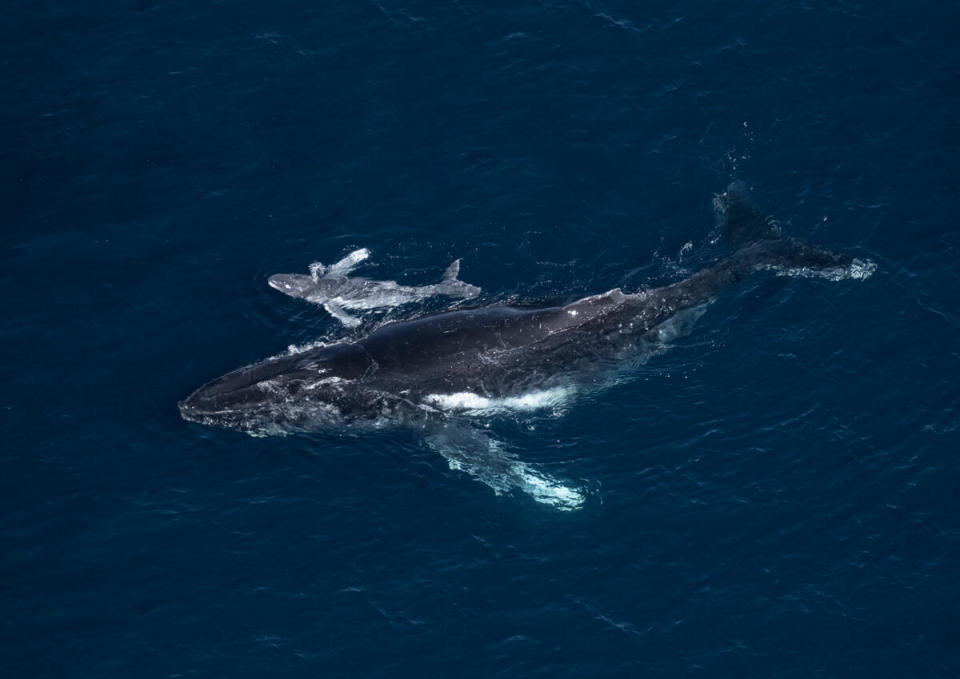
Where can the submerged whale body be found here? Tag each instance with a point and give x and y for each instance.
(440, 373)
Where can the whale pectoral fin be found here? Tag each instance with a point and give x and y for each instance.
(337, 312)
(348, 263)
(487, 460)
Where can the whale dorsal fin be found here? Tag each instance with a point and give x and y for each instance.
(452, 285)
(452, 271)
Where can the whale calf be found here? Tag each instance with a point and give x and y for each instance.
(332, 288)
(446, 374)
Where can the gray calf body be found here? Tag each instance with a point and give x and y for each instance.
(338, 293)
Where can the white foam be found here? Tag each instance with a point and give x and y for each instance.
(857, 270)
(467, 401)
(300, 348)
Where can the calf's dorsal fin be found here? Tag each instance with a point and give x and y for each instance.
(453, 271)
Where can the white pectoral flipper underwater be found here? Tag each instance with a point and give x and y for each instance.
(332, 288)
(471, 450)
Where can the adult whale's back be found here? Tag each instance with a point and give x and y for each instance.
(455, 347)
(499, 351)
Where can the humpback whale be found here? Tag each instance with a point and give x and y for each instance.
(332, 288)
(442, 374)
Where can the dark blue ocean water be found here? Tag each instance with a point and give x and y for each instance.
(776, 496)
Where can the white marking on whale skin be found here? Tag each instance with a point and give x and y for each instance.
(467, 401)
(300, 348)
(324, 381)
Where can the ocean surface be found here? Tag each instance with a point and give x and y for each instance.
(777, 494)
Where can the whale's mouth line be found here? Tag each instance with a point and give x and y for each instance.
(193, 414)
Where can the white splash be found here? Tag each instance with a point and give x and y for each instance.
(301, 348)
(467, 401)
(857, 270)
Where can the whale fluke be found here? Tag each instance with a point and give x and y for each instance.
(742, 221)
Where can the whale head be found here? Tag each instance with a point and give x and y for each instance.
(311, 391)
(299, 285)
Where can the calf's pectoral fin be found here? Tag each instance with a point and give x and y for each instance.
(337, 312)
(348, 263)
